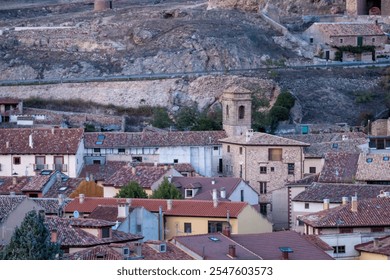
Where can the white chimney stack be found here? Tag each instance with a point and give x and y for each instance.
(213, 181)
(223, 193)
(215, 198)
(344, 200)
(30, 141)
(81, 198)
(354, 204)
(248, 135)
(169, 204)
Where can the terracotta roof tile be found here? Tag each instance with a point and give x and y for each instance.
(194, 208)
(205, 186)
(7, 184)
(373, 167)
(153, 139)
(350, 29)
(105, 212)
(380, 246)
(8, 204)
(37, 183)
(263, 139)
(9, 100)
(145, 175)
(44, 141)
(50, 205)
(71, 234)
(101, 172)
(266, 245)
(317, 192)
(214, 247)
(339, 168)
(65, 187)
(370, 212)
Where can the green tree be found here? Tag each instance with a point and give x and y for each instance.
(161, 118)
(132, 190)
(166, 190)
(187, 118)
(31, 241)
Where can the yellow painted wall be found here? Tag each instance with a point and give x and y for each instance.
(89, 189)
(372, 256)
(251, 221)
(175, 225)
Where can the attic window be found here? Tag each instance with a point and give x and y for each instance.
(385, 158)
(335, 145)
(369, 160)
(63, 188)
(214, 239)
(45, 172)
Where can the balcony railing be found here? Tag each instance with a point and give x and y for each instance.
(60, 167)
(41, 166)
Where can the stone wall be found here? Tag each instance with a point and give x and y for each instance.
(172, 93)
(246, 5)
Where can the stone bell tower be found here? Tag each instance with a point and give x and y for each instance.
(236, 111)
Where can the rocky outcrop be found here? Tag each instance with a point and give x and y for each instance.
(246, 5)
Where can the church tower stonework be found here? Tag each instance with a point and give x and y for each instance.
(236, 111)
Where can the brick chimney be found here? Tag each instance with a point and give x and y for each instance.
(354, 204)
(232, 251)
(54, 236)
(226, 231)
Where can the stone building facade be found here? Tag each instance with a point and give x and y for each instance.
(368, 7)
(265, 161)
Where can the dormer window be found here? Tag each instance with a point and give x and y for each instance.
(189, 193)
(105, 232)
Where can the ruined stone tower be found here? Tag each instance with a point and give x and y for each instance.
(368, 7)
(236, 111)
(102, 5)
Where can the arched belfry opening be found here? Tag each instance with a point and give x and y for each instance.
(241, 112)
(236, 110)
(368, 7)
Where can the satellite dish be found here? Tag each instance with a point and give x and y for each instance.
(76, 214)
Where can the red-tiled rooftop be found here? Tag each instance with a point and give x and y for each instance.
(263, 139)
(339, 167)
(380, 246)
(144, 175)
(266, 245)
(8, 204)
(7, 184)
(9, 100)
(71, 234)
(101, 172)
(350, 29)
(317, 192)
(153, 139)
(370, 212)
(193, 208)
(44, 141)
(214, 247)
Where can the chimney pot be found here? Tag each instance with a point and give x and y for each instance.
(169, 204)
(223, 193)
(354, 204)
(226, 231)
(344, 200)
(326, 204)
(81, 198)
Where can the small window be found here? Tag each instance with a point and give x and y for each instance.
(240, 150)
(263, 187)
(216, 148)
(346, 230)
(96, 150)
(311, 40)
(96, 161)
(307, 205)
(291, 168)
(272, 169)
(369, 160)
(312, 170)
(175, 160)
(335, 145)
(105, 232)
(17, 160)
(299, 222)
(377, 229)
(385, 158)
(341, 40)
(263, 208)
(228, 148)
(187, 228)
(242, 195)
(189, 193)
(121, 151)
(139, 228)
(339, 249)
(275, 154)
(241, 112)
(263, 170)
(126, 251)
(373, 40)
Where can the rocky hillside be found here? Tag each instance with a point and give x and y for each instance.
(67, 39)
